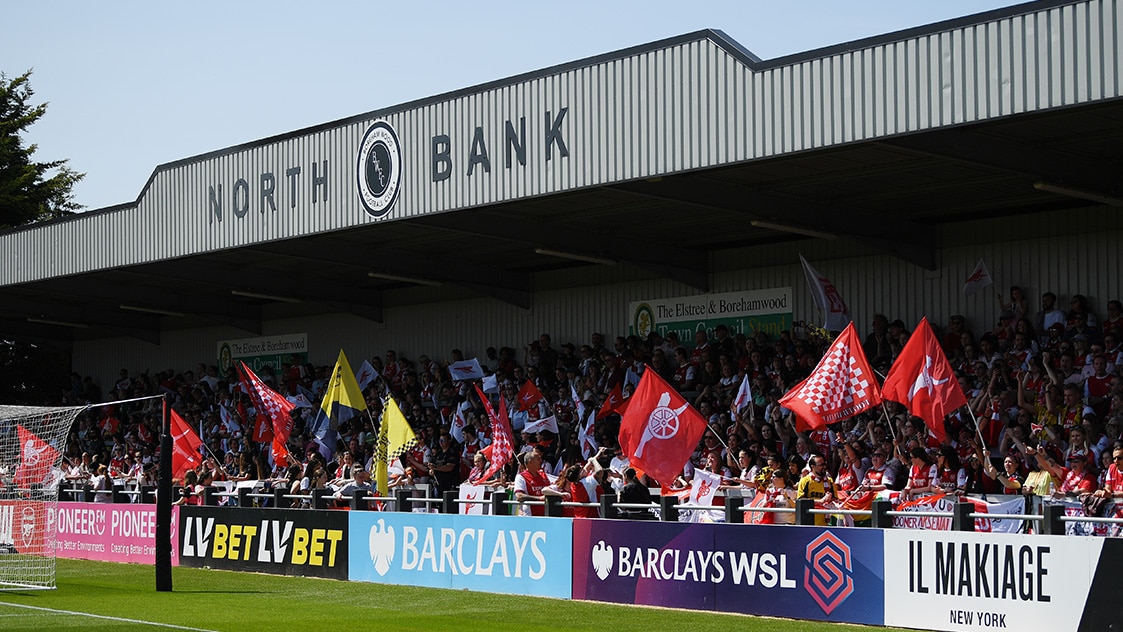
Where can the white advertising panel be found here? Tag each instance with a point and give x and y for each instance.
(947, 580)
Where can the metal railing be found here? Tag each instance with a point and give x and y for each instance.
(962, 517)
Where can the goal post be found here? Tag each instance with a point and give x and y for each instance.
(32, 442)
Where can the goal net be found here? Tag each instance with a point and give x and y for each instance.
(32, 440)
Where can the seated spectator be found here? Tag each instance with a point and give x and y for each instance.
(780, 494)
(1075, 479)
(360, 481)
(921, 477)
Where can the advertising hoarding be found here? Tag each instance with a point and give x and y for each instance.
(278, 541)
(797, 572)
(949, 580)
(109, 532)
(502, 554)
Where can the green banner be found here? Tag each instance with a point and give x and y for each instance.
(258, 352)
(742, 312)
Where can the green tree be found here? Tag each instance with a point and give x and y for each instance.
(29, 191)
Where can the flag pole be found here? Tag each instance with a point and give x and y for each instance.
(892, 432)
(978, 433)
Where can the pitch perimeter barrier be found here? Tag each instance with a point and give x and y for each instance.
(521, 556)
(106, 532)
(948, 580)
(789, 571)
(922, 579)
(278, 541)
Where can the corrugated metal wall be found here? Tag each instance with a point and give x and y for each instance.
(677, 108)
(1068, 252)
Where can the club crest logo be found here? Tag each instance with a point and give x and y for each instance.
(602, 559)
(827, 577)
(27, 526)
(644, 320)
(379, 169)
(662, 423)
(382, 546)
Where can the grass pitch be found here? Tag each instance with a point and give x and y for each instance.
(123, 597)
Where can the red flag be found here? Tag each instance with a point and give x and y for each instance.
(263, 429)
(185, 447)
(529, 395)
(37, 457)
(272, 404)
(923, 381)
(610, 405)
(502, 444)
(841, 386)
(660, 429)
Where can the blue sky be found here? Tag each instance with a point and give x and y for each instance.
(132, 85)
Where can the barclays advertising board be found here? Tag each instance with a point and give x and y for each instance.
(526, 556)
(796, 572)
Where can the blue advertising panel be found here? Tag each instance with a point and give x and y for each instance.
(526, 556)
(802, 572)
(785, 571)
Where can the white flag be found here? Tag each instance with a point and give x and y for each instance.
(466, 370)
(491, 384)
(586, 440)
(835, 313)
(978, 279)
(744, 396)
(546, 423)
(458, 423)
(365, 375)
(703, 487)
(473, 495)
(228, 420)
(578, 405)
(300, 401)
(631, 377)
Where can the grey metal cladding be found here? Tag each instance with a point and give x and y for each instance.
(688, 103)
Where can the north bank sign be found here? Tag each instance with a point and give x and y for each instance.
(378, 167)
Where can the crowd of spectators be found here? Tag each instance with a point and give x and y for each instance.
(1044, 386)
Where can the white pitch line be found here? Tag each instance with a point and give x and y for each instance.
(101, 616)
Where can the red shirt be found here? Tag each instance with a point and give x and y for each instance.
(921, 476)
(533, 484)
(1079, 483)
(1113, 480)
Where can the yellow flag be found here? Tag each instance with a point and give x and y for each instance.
(342, 401)
(394, 437)
(343, 390)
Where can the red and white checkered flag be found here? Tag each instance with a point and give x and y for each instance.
(841, 386)
(274, 405)
(502, 446)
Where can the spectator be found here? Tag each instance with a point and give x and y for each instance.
(1049, 314)
(634, 493)
(780, 494)
(950, 477)
(530, 482)
(1075, 479)
(922, 475)
(360, 481)
(1041, 481)
(445, 464)
(1113, 480)
(1010, 478)
(818, 486)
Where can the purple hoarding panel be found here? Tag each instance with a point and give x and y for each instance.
(786, 571)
